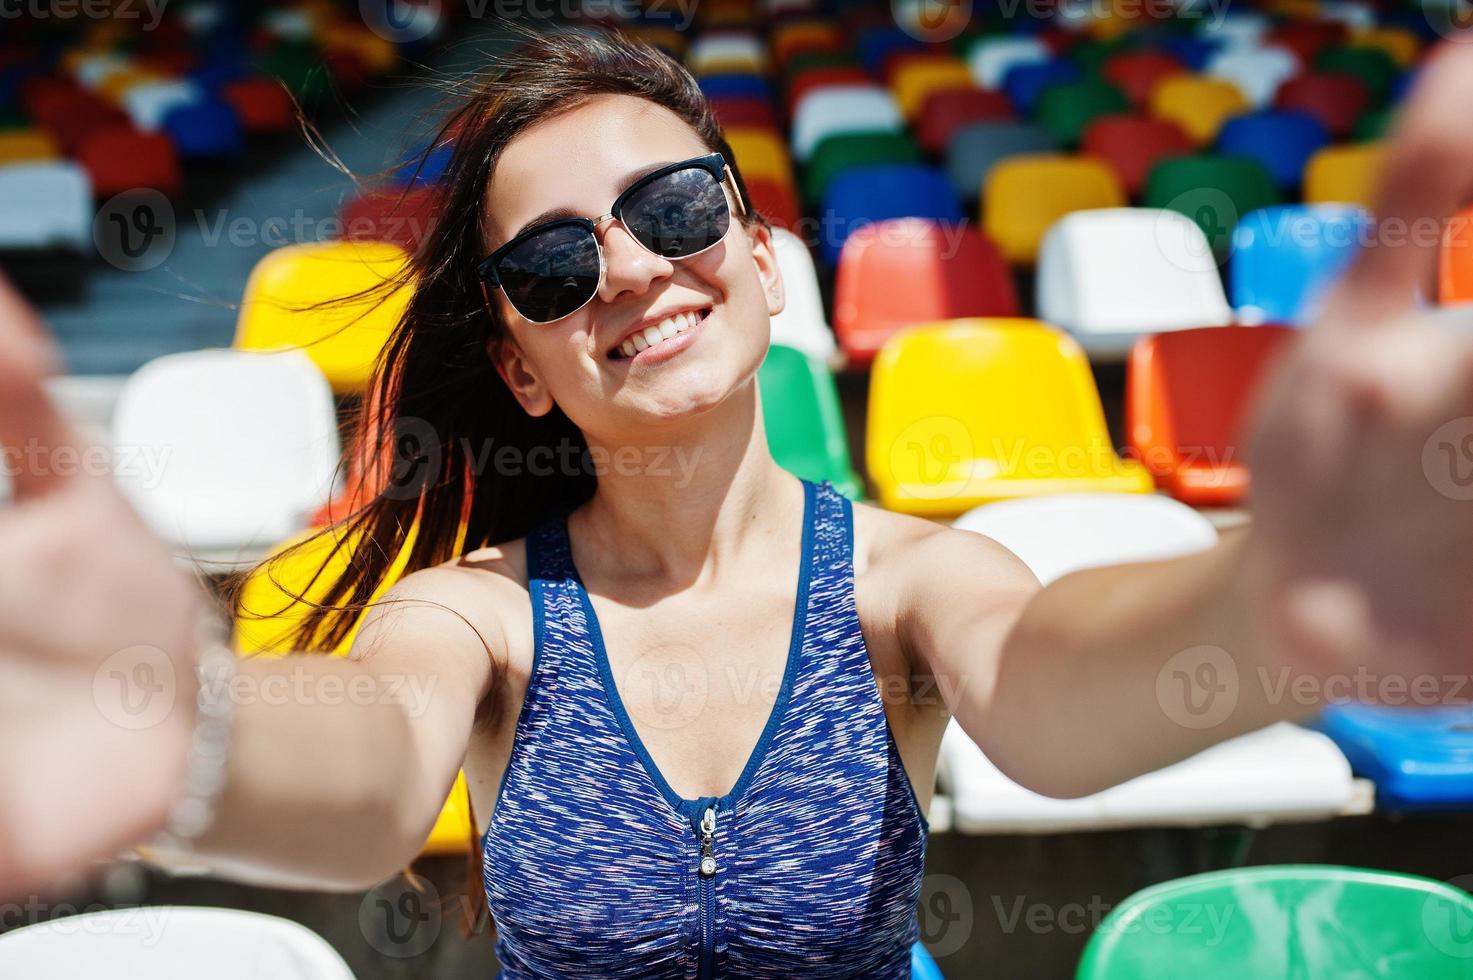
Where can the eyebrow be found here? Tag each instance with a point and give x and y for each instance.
(558, 214)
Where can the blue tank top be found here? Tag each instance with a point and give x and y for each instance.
(810, 867)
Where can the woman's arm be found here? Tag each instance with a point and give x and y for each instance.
(1354, 579)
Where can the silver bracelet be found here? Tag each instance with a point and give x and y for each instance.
(209, 748)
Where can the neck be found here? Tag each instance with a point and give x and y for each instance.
(680, 503)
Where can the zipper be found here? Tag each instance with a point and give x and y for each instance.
(706, 870)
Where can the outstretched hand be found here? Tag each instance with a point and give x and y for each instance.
(1362, 444)
(96, 639)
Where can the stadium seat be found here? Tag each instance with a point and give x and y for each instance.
(48, 205)
(1257, 72)
(1025, 195)
(1375, 69)
(208, 128)
(1239, 27)
(842, 110)
(1418, 757)
(1307, 38)
(802, 324)
(1067, 110)
(148, 103)
(777, 201)
(1282, 140)
(400, 216)
(744, 113)
(327, 299)
(26, 146)
(804, 420)
(855, 198)
(1137, 73)
(1401, 45)
(1109, 275)
(816, 79)
(424, 164)
(916, 81)
(1132, 146)
(970, 411)
(1187, 396)
(760, 153)
(1454, 262)
(261, 105)
(946, 112)
(1198, 105)
(1192, 51)
(185, 942)
(922, 966)
(793, 36)
(1026, 83)
(251, 441)
(894, 273)
(735, 86)
(1213, 191)
(1336, 100)
(1344, 175)
(1284, 258)
(119, 160)
(991, 58)
(1283, 921)
(975, 148)
(876, 44)
(852, 151)
(727, 53)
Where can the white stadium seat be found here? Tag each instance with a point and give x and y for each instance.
(47, 205)
(842, 109)
(802, 323)
(991, 57)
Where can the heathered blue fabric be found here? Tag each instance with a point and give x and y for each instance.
(591, 858)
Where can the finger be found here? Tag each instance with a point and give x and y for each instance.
(1424, 180)
(32, 430)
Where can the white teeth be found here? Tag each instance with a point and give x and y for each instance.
(664, 330)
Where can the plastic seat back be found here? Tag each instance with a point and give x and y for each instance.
(1285, 259)
(915, 81)
(1256, 71)
(859, 197)
(851, 151)
(1455, 260)
(397, 215)
(207, 128)
(1336, 100)
(170, 943)
(842, 109)
(329, 300)
(120, 160)
(1025, 195)
(48, 205)
(1344, 174)
(1187, 396)
(1026, 83)
(902, 271)
(802, 324)
(26, 146)
(1283, 140)
(991, 58)
(760, 153)
(1285, 921)
(147, 104)
(1067, 110)
(1214, 191)
(1198, 105)
(976, 148)
(804, 420)
(945, 112)
(969, 411)
(1132, 146)
(1137, 73)
(1107, 275)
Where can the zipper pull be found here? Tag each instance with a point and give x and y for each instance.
(708, 832)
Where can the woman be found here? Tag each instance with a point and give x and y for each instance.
(757, 811)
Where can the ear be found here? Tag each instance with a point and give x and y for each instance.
(764, 255)
(519, 375)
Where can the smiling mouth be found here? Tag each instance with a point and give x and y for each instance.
(671, 326)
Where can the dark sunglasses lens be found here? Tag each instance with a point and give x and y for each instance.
(679, 214)
(551, 273)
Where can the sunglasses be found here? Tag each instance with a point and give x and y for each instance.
(555, 269)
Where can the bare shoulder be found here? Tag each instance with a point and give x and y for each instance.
(899, 547)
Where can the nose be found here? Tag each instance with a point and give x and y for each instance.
(629, 267)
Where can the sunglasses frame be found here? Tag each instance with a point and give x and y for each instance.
(713, 163)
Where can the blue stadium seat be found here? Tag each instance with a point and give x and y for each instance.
(736, 87)
(857, 197)
(1285, 257)
(1282, 140)
(1419, 758)
(1194, 52)
(1024, 84)
(208, 128)
(423, 166)
(878, 43)
(922, 966)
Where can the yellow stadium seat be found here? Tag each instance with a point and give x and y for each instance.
(1198, 105)
(299, 296)
(270, 610)
(761, 153)
(1344, 174)
(918, 80)
(377, 53)
(26, 146)
(115, 85)
(963, 412)
(659, 36)
(1399, 42)
(1024, 195)
(792, 36)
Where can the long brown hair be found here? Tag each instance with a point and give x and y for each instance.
(435, 404)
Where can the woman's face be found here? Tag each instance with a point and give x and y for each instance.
(578, 163)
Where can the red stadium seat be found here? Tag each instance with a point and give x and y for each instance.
(775, 200)
(1132, 146)
(398, 215)
(946, 112)
(119, 160)
(1307, 38)
(263, 104)
(1187, 392)
(746, 111)
(1336, 100)
(1136, 73)
(911, 270)
(1455, 262)
(86, 118)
